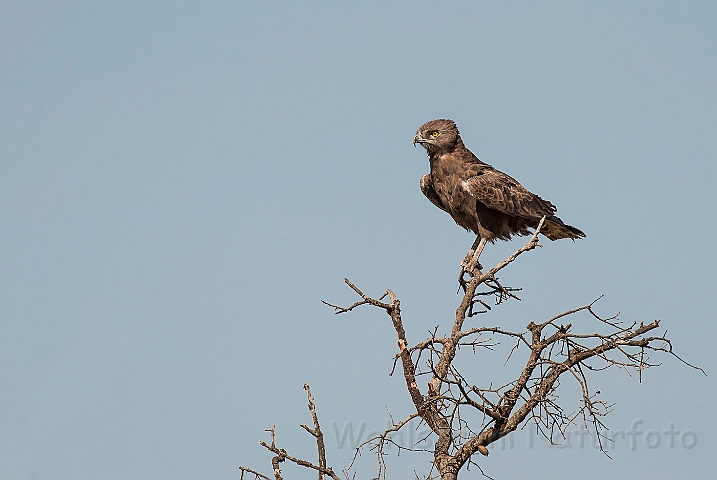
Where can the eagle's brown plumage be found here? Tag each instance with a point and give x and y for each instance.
(479, 197)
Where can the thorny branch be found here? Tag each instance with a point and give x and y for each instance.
(553, 350)
(451, 401)
(281, 455)
(378, 443)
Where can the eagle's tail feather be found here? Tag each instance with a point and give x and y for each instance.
(555, 229)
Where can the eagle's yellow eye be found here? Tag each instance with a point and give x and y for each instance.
(434, 134)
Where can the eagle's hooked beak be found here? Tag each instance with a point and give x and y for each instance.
(417, 139)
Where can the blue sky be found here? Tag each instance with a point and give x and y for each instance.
(181, 184)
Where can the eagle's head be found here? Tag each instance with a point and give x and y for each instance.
(438, 136)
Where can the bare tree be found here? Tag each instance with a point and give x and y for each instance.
(465, 418)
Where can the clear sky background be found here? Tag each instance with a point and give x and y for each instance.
(182, 183)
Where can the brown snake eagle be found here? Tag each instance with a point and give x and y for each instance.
(480, 198)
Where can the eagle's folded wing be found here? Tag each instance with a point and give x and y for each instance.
(498, 191)
(430, 192)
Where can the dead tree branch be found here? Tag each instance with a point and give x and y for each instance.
(554, 349)
(451, 402)
(322, 468)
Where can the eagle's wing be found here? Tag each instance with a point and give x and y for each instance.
(498, 191)
(430, 192)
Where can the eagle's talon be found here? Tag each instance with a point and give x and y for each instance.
(465, 263)
(473, 266)
(463, 284)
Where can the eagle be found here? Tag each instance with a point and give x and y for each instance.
(481, 198)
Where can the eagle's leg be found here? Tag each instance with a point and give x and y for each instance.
(469, 256)
(471, 263)
(475, 264)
